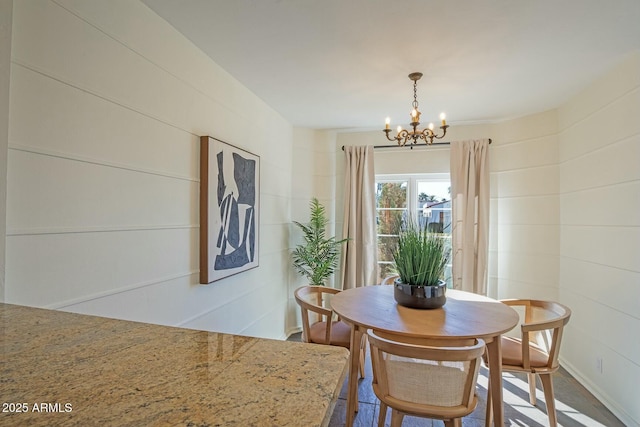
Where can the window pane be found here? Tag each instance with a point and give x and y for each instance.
(385, 270)
(389, 221)
(436, 216)
(391, 195)
(434, 205)
(386, 246)
(434, 212)
(433, 191)
(391, 203)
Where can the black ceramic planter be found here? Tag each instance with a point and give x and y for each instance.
(420, 296)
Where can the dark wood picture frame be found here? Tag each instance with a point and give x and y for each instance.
(229, 209)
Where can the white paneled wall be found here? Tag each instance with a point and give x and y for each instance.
(6, 13)
(314, 175)
(525, 208)
(107, 106)
(600, 236)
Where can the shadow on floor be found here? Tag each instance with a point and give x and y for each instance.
(575, 406)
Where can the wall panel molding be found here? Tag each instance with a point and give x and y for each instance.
(51, 75)
(105, 229)
(123, 289)
(13, 145)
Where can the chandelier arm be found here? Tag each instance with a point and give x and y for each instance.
(387, 131)
(403, 137)
(444, 132)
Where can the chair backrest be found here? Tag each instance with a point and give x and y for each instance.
(389, 280)
(314, 302)
(431, 380)
(542, 325)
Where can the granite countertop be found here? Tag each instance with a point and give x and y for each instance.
(59, 368)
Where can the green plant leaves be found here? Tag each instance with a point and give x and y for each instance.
(317, 259)
(421, 256)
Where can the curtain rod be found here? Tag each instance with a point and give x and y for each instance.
(412, 145)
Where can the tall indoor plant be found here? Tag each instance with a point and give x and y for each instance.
(317, 258)
(420, 260)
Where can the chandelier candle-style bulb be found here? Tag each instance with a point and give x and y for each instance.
(415, 116)
(414, 135)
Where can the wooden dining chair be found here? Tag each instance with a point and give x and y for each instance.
(424, 378)
(536, 351)
(320, 325)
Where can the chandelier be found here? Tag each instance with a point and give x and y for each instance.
(414, 135)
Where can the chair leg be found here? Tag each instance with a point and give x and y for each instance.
(396, 418)
(488, 419)
(382, 415)
(454, 422)
(357, 406)
(532, 388)
(363, 354)
(547, 388)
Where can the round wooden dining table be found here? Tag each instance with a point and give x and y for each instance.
(464, 316)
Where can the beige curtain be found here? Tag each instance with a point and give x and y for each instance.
(470, 213)
(360, 253)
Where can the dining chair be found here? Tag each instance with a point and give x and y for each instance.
(424, 378)
(536, 351)
(320, 325)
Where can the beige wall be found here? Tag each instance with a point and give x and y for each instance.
(600, 236)
(107, 105)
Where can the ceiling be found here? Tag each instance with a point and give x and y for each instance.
(343, 64)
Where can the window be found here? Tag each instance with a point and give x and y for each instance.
(426, 196)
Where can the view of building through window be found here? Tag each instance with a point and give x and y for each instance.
(426, 198)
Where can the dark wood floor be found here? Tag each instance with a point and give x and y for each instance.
(575, 406)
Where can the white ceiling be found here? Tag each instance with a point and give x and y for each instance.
(343, 64)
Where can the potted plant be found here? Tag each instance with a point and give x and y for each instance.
(317, 258)
(420, 260)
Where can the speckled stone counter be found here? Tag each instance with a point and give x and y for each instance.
(60, 368)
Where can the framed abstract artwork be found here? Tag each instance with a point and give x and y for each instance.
(229, 209)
